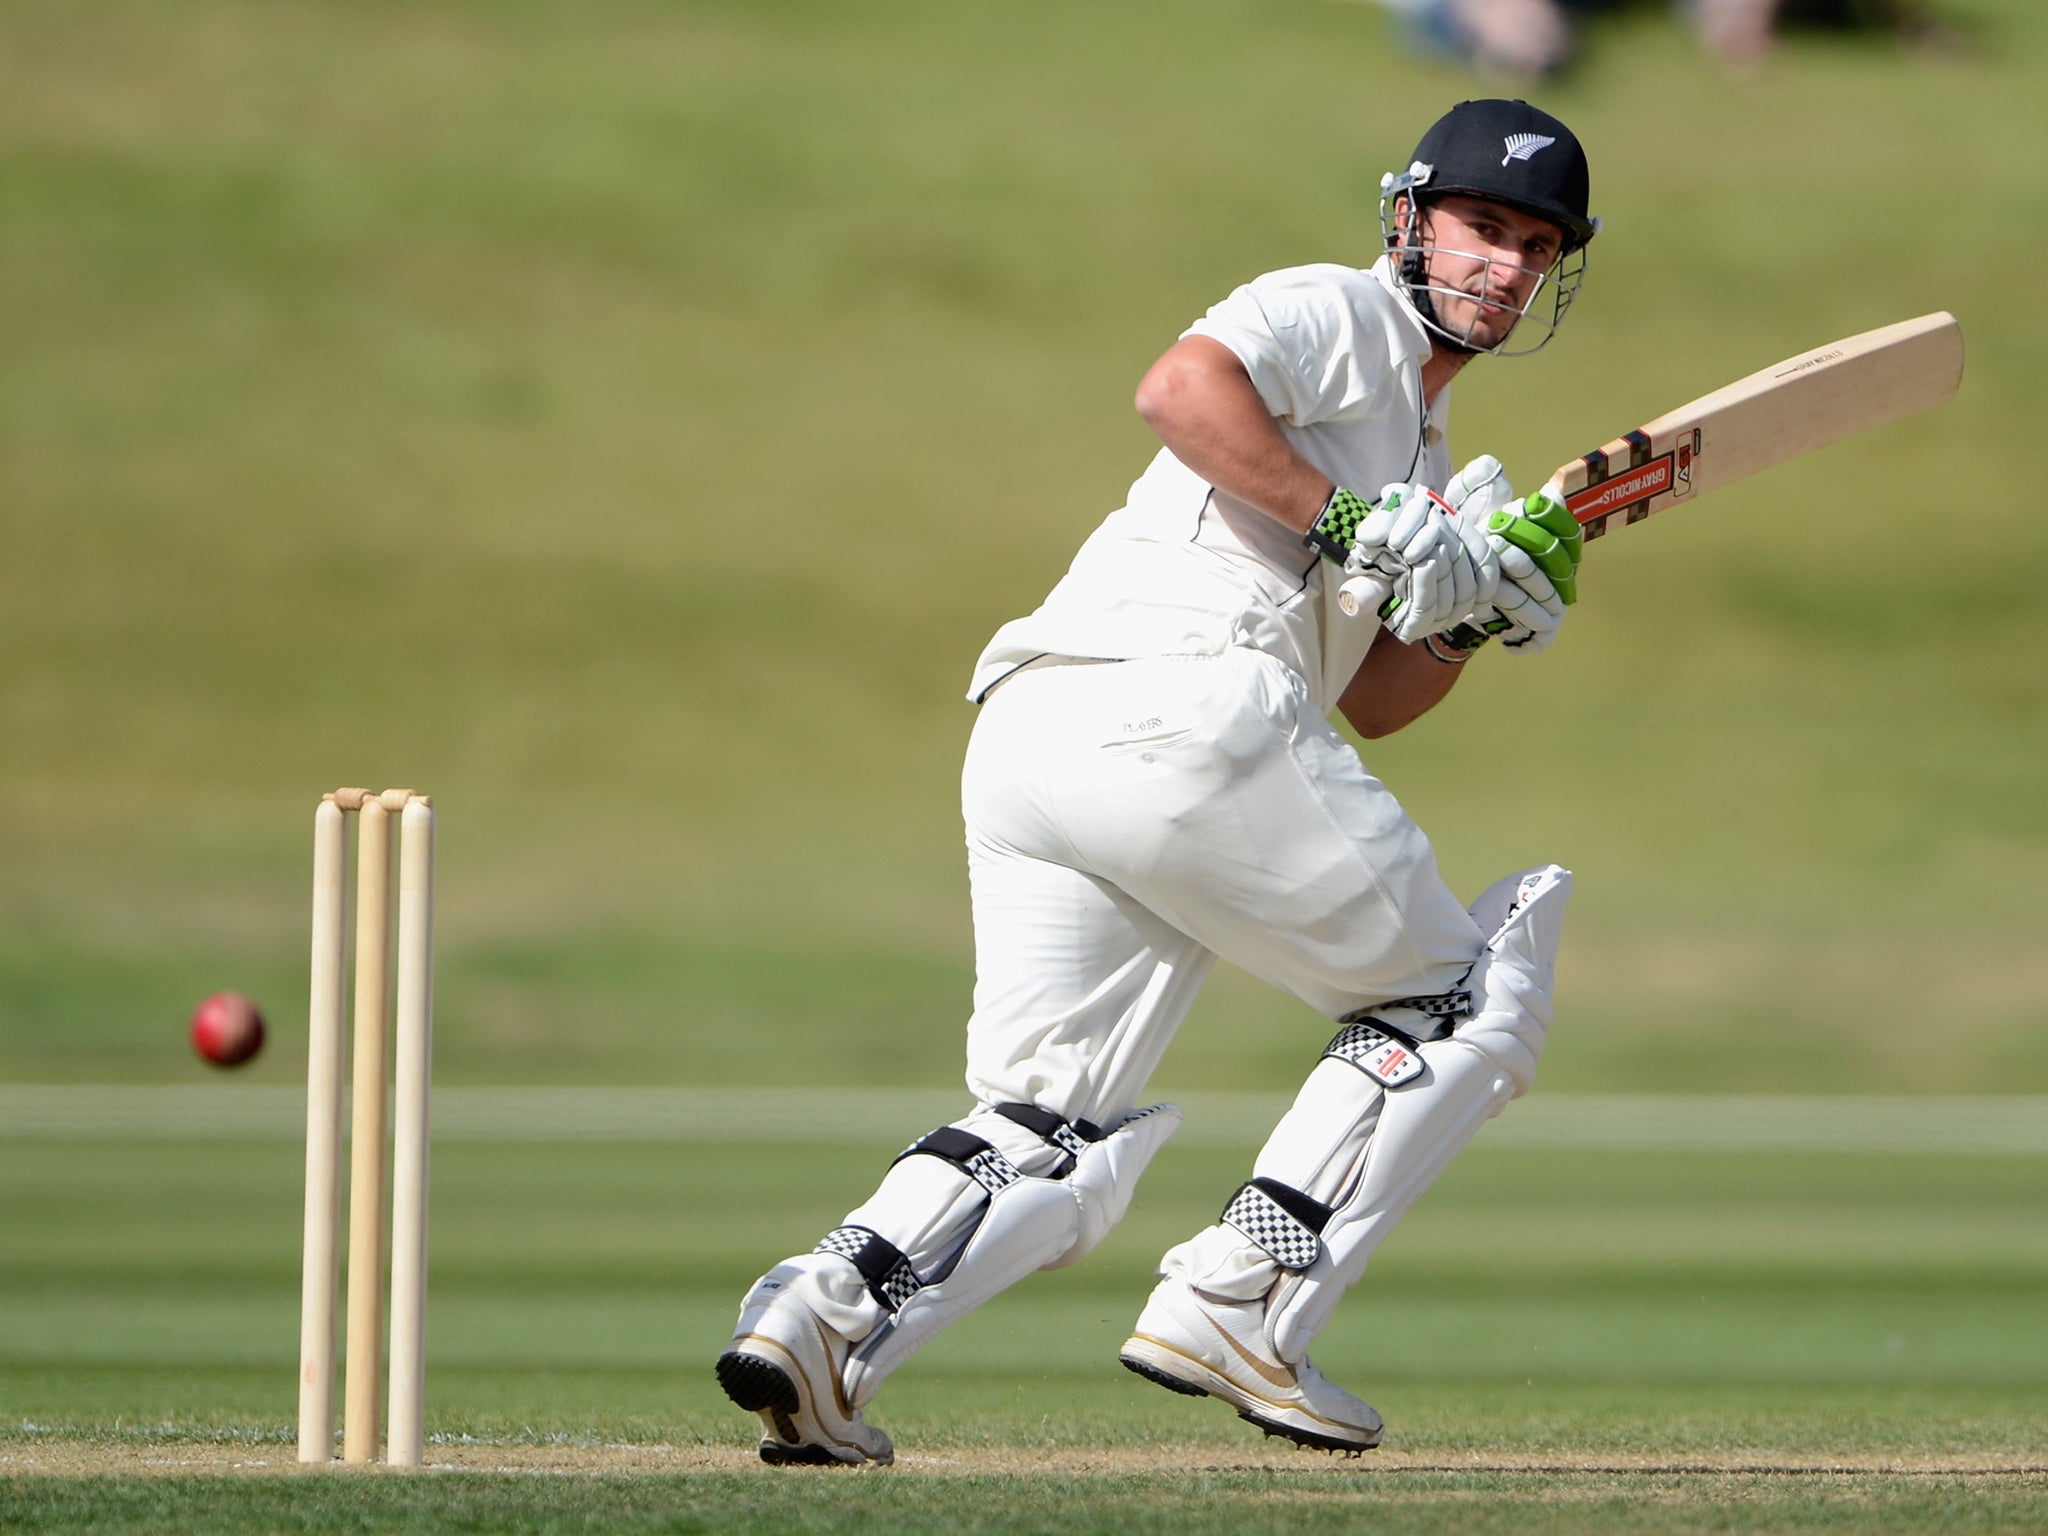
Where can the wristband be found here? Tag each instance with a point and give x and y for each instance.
(1336, 526)
(1430, 641)
(1465, 637)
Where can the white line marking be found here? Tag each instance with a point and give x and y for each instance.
(2012, 1125)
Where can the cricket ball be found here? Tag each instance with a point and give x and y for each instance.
(226, 1029)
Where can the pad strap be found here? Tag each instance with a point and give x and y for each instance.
(1280, 1219)
(1441, 1008)
(891, 1280)
(1070, 1136)
(969, 1153)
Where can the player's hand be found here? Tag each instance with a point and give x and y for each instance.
(1545, 528)
(1528, 608)
(1538, 544)
(1479, 490)
(1475, 493)
(1438, 570)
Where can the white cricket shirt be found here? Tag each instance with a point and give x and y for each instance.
(1184, 569)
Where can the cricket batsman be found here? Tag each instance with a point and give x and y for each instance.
(1154, 781)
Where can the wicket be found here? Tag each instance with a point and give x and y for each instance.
(414, 1052)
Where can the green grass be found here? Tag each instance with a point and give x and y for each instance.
(1645, 1343)
(628, 421)
(1428, 1503)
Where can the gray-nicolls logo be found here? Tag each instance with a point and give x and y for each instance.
(1521, 146)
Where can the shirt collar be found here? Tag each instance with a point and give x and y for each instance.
(1412, 329)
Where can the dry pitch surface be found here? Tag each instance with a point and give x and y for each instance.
(74, 1458)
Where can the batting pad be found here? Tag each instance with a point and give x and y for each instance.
(1378, 1119)
(1424, 1123)
(962, 1215)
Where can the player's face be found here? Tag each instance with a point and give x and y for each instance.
(1485, 261)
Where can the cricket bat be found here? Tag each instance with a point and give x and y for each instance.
(1805, 402)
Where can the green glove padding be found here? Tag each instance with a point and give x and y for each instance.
(1552, 537)
(1548, 533)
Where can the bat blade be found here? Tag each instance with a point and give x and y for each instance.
(1777, 413)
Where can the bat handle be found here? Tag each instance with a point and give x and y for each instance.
(1364, 594)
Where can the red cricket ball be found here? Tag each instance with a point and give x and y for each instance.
(226, 1029)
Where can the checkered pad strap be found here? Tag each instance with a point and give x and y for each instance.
(1438, 1005)
(969, 1153)
(1070, 1136)
(891, 1280)
(1280, 1219)
(1353, 1041)
(1442, 1007)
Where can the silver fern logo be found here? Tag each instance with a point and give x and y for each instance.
(1521, 146)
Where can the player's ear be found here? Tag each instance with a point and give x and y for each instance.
(1420, 216)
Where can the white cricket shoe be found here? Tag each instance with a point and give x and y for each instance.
(786, 1365)
(1191, 1343)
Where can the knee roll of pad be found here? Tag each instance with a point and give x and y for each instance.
(887, 1271)
(1106, 1175)
(1512, 981)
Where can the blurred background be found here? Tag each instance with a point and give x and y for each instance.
(627, 421)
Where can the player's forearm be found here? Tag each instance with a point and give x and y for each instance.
(1202, 403)
(1397, 685)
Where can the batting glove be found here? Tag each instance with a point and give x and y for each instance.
(1546, 529)
(1438, 570)
(1528, 606)
(1478, 490)
(1539, 544)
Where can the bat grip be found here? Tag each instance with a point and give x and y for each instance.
(1364, 594)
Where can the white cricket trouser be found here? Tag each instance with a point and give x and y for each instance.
(1128, 822)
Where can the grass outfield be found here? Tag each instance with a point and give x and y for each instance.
(1559, 1341)
(1554, 1501)
(629, 420)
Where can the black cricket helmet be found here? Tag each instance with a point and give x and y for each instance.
(1506, 152)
